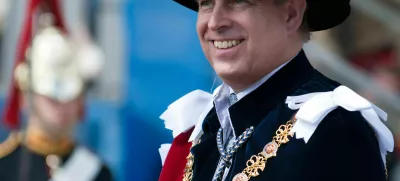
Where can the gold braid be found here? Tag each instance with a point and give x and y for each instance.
(188, 172)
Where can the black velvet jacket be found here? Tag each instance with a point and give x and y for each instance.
(343, 148)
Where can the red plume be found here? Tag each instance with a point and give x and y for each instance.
(13, 106)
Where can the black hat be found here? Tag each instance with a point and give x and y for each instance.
(320, 14)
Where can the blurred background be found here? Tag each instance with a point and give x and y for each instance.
(153, 57)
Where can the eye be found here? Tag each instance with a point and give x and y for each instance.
(204, 3)
(240, 1)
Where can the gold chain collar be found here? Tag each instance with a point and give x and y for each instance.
(257, 162)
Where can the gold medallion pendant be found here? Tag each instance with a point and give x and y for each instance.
(240, 177)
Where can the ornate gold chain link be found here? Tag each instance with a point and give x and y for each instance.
(257, 162)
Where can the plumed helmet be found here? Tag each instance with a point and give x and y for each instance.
(56, 67)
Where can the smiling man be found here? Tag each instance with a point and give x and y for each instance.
(274, 118)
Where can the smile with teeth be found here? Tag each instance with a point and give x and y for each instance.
(226, 44)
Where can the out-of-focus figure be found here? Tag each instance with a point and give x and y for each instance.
(4, 9)
(51, 80)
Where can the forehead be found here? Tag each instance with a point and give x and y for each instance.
(198, 1)
(260, 8)
(248, 3)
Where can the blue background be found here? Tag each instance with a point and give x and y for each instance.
(165, 62)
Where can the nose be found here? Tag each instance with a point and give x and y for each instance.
(219, 20)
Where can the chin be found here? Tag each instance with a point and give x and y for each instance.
(58, 125)
(232, 75)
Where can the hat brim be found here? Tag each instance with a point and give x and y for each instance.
(320, 14)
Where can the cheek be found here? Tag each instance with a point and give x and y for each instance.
(76, 110)
(49, 113)
(265, 43)
(266, 37)
(43, 107)
(72, 109)
(201, 28)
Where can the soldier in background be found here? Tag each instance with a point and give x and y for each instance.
(4, 9)
(52, 80)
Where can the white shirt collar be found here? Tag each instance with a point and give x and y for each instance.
(221, 99)
(257, 84)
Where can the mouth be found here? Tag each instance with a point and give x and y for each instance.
(225, 44)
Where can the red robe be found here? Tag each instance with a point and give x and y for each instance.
(175, 162)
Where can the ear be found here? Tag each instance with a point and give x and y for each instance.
(295, 12)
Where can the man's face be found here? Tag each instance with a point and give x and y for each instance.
(243, 39)
(57, 116)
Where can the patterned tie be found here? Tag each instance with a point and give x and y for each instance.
(232, 99)
(228, 154)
